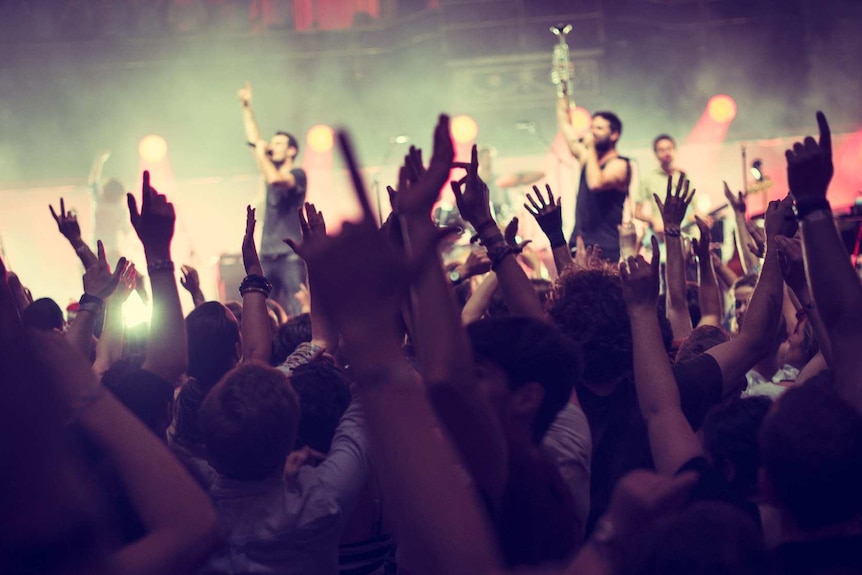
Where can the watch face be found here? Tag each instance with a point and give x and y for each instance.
(454, 276)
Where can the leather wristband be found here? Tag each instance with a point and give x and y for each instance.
(672, 231)
(255, 283)
(160, 266)
(89, 299)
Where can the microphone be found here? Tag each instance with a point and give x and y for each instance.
(399, 139)
(526, 126)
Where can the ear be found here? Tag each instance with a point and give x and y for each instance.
(615, 136)
(528, 398)
(292, 152)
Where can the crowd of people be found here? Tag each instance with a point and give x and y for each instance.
(423, 415)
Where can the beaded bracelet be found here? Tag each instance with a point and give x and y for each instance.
(160, 266)
(255, 283)
(672, 231)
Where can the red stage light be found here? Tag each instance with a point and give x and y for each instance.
(721, 109)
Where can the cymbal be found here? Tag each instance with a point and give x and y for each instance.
(519, 179)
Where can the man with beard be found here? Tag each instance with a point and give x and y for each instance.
(285, 192)
(604, 183)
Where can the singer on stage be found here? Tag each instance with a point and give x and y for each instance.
(285, 192)
(604, 183)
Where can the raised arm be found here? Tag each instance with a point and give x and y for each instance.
(740, 354)
(167, 351)
(181, 525)
(417, 467)
(192, 284)
(323, 332)
(564, 124)
(256, 332)
(518, 291)
(743, 237)
(672, 213)
(109, 349)
(67, 223)
(834, 283)
(709, 296)
(441, 342)
(672, 440)
(549, 216)
(249, 122)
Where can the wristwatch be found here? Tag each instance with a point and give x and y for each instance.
(455, 277)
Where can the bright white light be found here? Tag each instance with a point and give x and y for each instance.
(703, 204)
(135, 311)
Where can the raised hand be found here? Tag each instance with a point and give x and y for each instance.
(757, 245)
(628, 239)
(192, 283)
(250, 259)
(67, 223)
(471, 193)
(98, 279)
(702, 245)
(510, 234)
(675, 204)
(809, 165)
(640, 279)
(548, 213)
(736, 201)
(245, 94)
(588, 257)
(779, 220)
(313, 228)
(154, 224)
(128, 283)
(419, 188)
(791, 262)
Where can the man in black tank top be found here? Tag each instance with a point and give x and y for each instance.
(604, 183)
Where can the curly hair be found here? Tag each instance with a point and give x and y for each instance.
(588, 306)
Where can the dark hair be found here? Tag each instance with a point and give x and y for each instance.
(249, 422)
(811, 447)
(43, 314)
(661, 137)
(706, 537)
(324, 394)
(748, 280)
(292, 142)
(701, 338)
(498, 308)
(213, 334)
(529, 350)
(236, 309)
(613, 120)
(294, 332)
(145, 394)
(588, 306)
(730, 432)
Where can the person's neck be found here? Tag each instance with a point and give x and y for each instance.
(792, 533)
(606, 155)
(668, 169)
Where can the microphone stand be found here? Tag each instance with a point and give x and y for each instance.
(375, 181)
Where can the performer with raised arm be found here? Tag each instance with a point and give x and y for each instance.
(285, 193)
(605, 175)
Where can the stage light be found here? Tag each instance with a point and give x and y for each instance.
(320, 138)
(152, 148)
(464, 129)
(581, 119)
(721, 109)
(757, 170)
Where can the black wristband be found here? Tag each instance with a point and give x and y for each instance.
(255, 283)
(88, 298)
(557, 238)
(805, 207)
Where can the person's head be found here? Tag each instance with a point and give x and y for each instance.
(236, 309)
(113, 191)
(214, 342)
(705, 537)
(249, 421)
(607, 129)
(296, 331)
(527, 368)
(800, 346)
(145, 394)
(701, 338)
(324, 394)
(743, 289)
(486, 155)
(730, 432)
(43, 314)
(665, 149)
(283, 147)
(811, 449)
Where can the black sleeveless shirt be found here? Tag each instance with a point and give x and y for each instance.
(597, 215)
